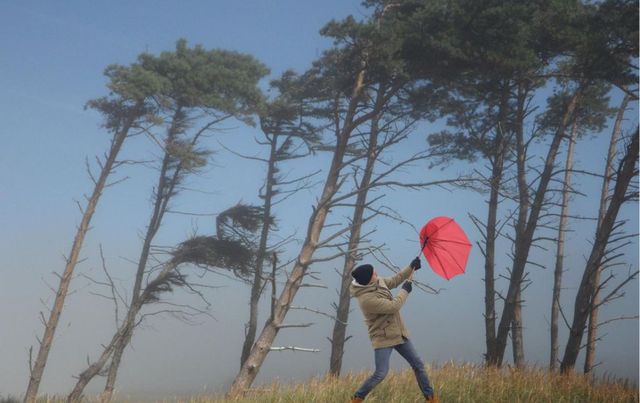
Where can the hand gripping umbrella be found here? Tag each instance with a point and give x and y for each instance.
(445, 246)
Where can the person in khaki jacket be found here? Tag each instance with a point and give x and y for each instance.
(386, 329)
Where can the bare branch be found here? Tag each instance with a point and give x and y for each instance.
(318, 312)
(293, 348)
(290, 325)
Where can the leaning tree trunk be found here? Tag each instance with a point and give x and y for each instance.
(562, 229)
(491, 233)
(256, 287)
(338, 337)
(251, 366)
(94, 369)
(52, 323)
(517, 336)
(516, 333)
(164, 191)
(124, 333)
(584, 298)
(121, 339)
(592, 334)
(525, 237)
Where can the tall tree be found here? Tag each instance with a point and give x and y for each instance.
(502, 44)
(123, 111)
(626, 172)
(596, 59)
(390, 126)
(339, 85)
(288, 136)
(202, 87)
(590, 116)
(589, 360)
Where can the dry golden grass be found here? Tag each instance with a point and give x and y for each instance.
(464, 383)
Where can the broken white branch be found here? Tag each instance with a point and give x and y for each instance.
(294, 348)
(285, 325)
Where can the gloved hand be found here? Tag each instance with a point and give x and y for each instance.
(415, 264)
(407, 286)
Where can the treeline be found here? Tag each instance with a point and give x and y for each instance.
(481, 65)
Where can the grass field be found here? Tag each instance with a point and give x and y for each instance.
(466, 383)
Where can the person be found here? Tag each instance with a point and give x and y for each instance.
(386, 329)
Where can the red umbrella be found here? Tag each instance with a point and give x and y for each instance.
(445, 246)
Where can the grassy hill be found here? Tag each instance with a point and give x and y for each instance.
(454, 383)
(465, 383)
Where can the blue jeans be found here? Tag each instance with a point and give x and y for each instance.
(382, 356)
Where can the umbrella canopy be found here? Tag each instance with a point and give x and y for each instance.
(445, 246)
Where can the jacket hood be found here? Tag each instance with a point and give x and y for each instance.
(356, 289)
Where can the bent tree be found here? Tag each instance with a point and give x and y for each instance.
(584, 303)
(591, 114)
(200, 88)
(288, 137)
(122, 111)
(339, 86)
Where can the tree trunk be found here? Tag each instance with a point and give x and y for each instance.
(94, 369)
(584, 298)
(492, 214)
(116, 358)
(123, 336)
(338, 337)
(274, 299)
(608, 172)
(164, 192)
(524, 238)
(71, 262)
(251, 366)
(523, 209)
(517, 336)
(562, 229)
(256, 287)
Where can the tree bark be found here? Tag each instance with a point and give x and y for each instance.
(517, 336)
(94, 369)
(256, 287)
(71, 262)
(251, 366)
(584, 299)
(524, 238)
(562, 229)
(338, 337)
(608, 172)
(491, 233)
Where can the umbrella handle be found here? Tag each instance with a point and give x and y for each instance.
(423, 245)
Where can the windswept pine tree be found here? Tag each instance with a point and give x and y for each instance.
(124, 112)
(201, 88)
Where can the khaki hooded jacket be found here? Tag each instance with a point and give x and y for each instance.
(381, 311)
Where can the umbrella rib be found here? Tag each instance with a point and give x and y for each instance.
(439, 228)
(454, 259)
(452, 241)
(440, 261)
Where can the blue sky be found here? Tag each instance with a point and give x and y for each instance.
(53, 55)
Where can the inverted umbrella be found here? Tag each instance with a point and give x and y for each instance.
(445, 246)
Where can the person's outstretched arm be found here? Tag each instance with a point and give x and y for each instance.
(398, 278)
(394, 281)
